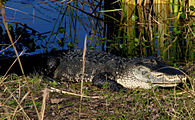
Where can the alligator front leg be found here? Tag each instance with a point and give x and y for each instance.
(102, 79)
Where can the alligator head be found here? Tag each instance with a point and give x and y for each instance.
(165, 76)
(148, 72)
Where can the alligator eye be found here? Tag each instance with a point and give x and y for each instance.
(144, 72)
(141, 69)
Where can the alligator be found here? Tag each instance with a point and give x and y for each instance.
(100, 68)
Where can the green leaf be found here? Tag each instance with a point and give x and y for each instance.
(175, 65)
(176, 31)
(70, 45)
(54, 83)
(136, 40)
(61, 29)
(121, 46)
(91, 48)
(105, 86)
(182, 15)
(144, 40)
(59, 106)
(110, 10)
(10, 26)
(134, 17)
(192, 8)
(143, 44)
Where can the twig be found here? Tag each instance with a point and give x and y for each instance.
(52, 89)
(29, 14)
(45, 96)
(20, 103)
(22, 24)
(10, 44)
(83, 72)
(170, 45)
(3, 78)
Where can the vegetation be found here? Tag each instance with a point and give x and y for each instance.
(157, 103)
(134, 28)
(162, 28)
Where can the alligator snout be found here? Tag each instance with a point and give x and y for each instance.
(164, 77)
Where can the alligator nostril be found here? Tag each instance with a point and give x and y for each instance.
(158, 75)
(153, 61)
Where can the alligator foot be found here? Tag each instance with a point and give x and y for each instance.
(102, 80)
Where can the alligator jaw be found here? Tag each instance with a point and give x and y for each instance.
(163, 77)
(165, 84)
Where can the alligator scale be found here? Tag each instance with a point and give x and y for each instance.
(100, 68)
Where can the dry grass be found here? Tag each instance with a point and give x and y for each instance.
(55, 102)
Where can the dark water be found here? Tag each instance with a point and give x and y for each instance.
(42, 18)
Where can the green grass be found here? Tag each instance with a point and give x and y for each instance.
(156, 103)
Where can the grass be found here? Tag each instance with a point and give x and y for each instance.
(156, 103)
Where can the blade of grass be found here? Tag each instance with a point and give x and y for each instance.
(18, 58)
(83, 71)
